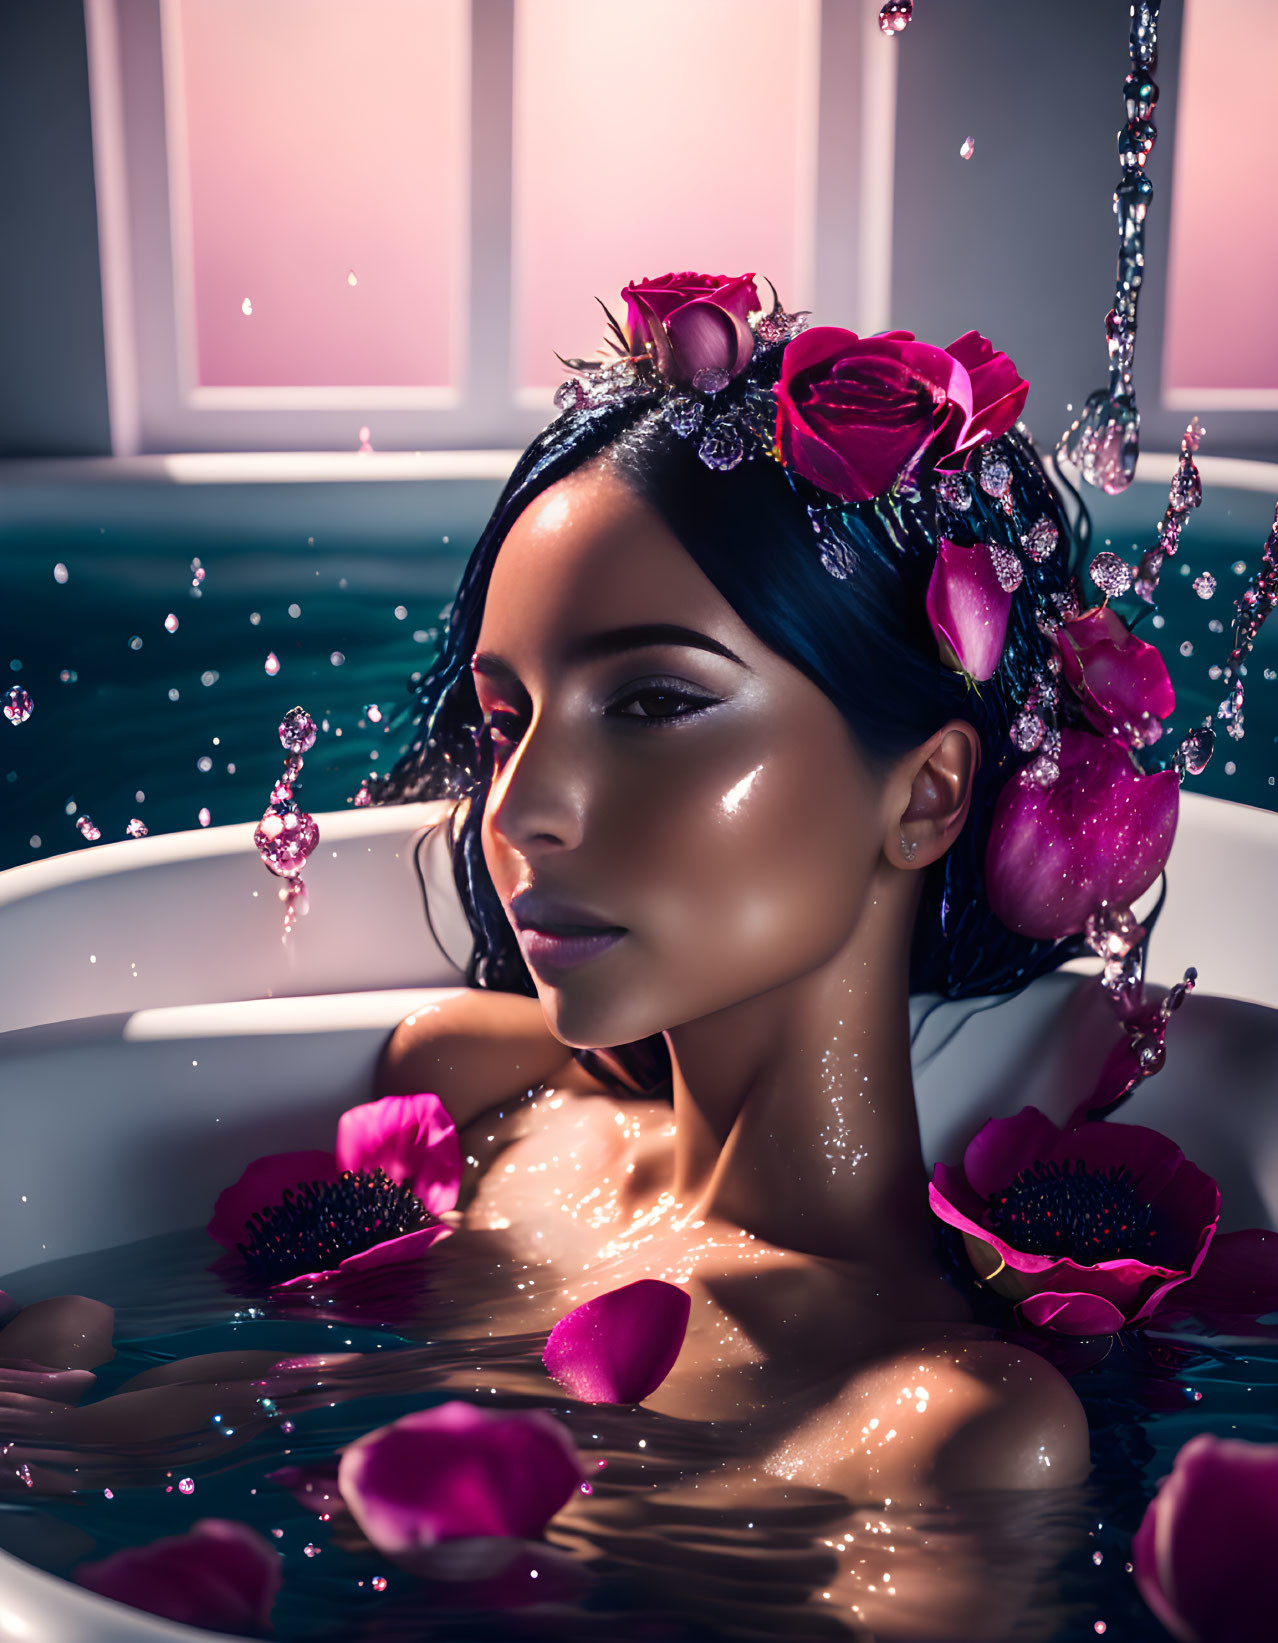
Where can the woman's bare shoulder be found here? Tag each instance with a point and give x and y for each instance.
(955, 1416)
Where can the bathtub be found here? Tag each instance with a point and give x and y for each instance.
(151, 1011)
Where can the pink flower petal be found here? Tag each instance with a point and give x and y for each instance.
(412, 1138)
(409, 1246)
(1075, 1314)
(968, 608)
(1238, 1277)
(619, 1347)
(1121, 682)
(458, 1472)
(265, 1182)
(1003, 1147)
(1203, 1556)
(1101, 832)
(222, 1576)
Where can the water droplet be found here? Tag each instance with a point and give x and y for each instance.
(350, 278)
(1027, 731)
(994, 475)
(374, 713)
(60, 573)
(135, 643)
(204, 818)
(894, 17)
(84, 825)
(366, 439)
(297, 731)
(272, 663)
(246, 307)
(954, 491)
(711, 379)
(1110, 574)
(310, 1549)
(378, 1583)
(186, 1486)
(255, 616)
(967, 148)
(1007, 567)
(401, 613)
(1205, 585)
(1040, 540)
(1104, 443)
(108, 1494)
(336, 658)
(1186, 490)
(171, 623)
(137, 829)
(1186, 647)
(204, 763)
(295, 611)
(18, 706)
(173, 695)
(1195, 751)
(285, 838)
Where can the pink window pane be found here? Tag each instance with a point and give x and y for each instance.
(1222, 319)
(668, 135)
(320, 190)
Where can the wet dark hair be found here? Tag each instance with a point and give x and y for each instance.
(865, 641)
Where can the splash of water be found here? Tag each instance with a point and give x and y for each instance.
(1185, 493)
(286, 836)
(1104, 442)
(894, 17)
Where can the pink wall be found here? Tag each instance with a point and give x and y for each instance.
(324, 137)
(1222, 314)
(621, 172)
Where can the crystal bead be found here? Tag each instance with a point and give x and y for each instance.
(570, 396)
(84, 825)
(1205, 585)
(18, 706)
(1007, 567)
(363, 797)
(137, 829)
(1027, 731)
(838, 558)
(994, 474)
(684, 415)
(954, 491)
(1110, 574)
(711, 379)
(1066, 604)
(285, 837)
(1042, 771)
(774, 328)
(1052, 744)
(1040, 540)
(297, 731)
(722, 447)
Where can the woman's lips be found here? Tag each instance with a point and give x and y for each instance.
(547, 950)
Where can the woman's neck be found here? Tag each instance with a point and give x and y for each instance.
(794, 1111)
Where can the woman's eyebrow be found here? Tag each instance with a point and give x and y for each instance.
(611, 640)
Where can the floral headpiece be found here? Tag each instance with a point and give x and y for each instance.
(1081, 829)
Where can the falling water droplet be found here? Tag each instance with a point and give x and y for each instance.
(272, 663)
(186, 1486)
(137, 829)
(373, 713)
(170, 623)
(246, 307)
(204, 818)
(84, 825)
(1205, 585)
(967, 148)
(366, 439)
(350, 278)
(894, 17)
(297, 731)
(1194, 753)
(60, 573)
(18, 706)
(1110, 574)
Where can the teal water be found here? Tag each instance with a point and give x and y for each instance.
(111, 730)
(652, 1569)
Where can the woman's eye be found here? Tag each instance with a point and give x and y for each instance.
(658, 704)
(503, 729)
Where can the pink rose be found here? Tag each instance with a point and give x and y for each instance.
(968, 608)
(693, 322)
(854, 413)
(998, 395)
(1101, 832)
(1121, 682)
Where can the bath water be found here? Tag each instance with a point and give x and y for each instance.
(657, 1563)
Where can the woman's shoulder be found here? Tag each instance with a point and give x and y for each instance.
(959, 1415)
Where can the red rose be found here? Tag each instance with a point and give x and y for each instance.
(693, 322)
(853, 413)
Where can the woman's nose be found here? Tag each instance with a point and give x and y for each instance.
(538, 797)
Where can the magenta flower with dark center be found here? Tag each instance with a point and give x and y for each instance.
(317, 1226)
(374, 1201)
(1086, 1229)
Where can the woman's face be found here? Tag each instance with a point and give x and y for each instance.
(658, 771)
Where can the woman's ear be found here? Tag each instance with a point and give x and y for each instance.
(931, 795)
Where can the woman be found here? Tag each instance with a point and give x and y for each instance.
(726, 785)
